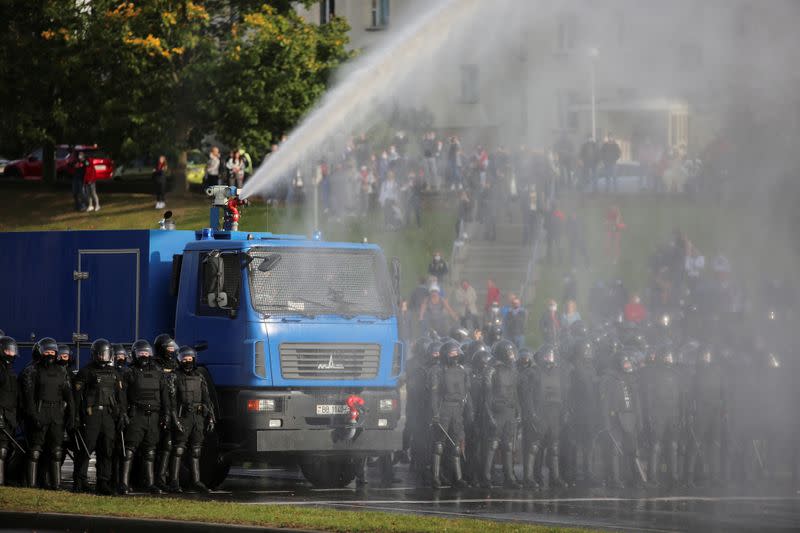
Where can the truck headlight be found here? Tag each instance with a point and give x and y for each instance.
(387, 405)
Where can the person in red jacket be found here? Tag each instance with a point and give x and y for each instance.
(635, 311)
(492, 295)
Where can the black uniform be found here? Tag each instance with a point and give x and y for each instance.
(165, 349)
(501, 405)
(147, 398)
(418, 401)
(621, 415)
(583, 406)
(47, 397)
(551, 393)
(661, 393)
(480, 360)
(194, 411)
(449, 385)
(100, 404)
(706, 410)
(528, 407)
(8, 401)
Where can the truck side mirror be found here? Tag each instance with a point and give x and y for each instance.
(201, 346)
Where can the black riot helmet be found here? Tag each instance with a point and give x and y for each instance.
(142, 352)
(585, 350)
(165, 347)
(187, 357)
(434, 350)
(481, 356)
(546, 356)
(8, 349)
(504, 351)
(48, 348)
(120, 354)
(460, 335)
(579, 330)
(450, 353)
(525, 358)
(626, 364)
(64, 355)
(101, 352)
(420, 347)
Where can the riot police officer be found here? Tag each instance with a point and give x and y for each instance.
(583, 406)
(480, 359)
(451, 408)
(662, 399)
(121, 358)
(49, 407)
(621, 416)
(426, 353)
(8, 401)
(707, 405)
(550, 399)
(195, 416)
(101, 410)
(147, 398)
(165, 350)
(64, 358)
(528, 392)
(501, 405)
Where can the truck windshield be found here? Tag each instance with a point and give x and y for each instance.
(319, 281)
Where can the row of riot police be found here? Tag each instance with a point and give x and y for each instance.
(127, 406)
(618, 405)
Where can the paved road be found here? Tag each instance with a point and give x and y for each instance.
(650, 510)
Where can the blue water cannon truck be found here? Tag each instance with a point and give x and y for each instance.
(299, 336)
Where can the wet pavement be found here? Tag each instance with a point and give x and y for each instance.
(722, 510)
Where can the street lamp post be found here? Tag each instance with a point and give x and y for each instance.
(593, 53)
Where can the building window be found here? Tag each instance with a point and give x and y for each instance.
(566, 32)
(379, 12)
(690, 56)
(470, 92)
(327, 10)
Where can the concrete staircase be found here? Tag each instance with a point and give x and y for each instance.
(505, 260)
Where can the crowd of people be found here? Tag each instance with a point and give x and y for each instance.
(683, 385)
(147, 405)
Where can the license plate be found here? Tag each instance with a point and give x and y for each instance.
(332, 409)
(99, 167)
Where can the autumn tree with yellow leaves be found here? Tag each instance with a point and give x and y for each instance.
(153, 76)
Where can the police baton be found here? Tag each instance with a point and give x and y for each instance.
(81, 442)
(636, 459)
(452, 442)
(14, 441)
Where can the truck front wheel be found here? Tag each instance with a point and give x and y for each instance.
(329, 472)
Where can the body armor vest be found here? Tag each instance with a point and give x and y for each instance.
(190, 389)
(8, 388)
(454, 385)
(550, 387)
(145, 387)
(101, 387)
(504, 385)
(49, 383)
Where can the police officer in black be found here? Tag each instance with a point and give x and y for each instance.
(583, 401)
(121, 358)
(501, 405)
(706, 410)
(662, 397)
(621, 416)
(528, 392)
(550, 402)
(47, 396)
(426, 355)
(480, 360)
(147, 398)
(195, 417)
(8, 401)
(451, 408)
(165, 349)
(101, 412)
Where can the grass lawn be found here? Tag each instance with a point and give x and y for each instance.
(286, 516)
(756, 252)
(29, 210)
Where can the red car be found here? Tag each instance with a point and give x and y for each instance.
(30, 167)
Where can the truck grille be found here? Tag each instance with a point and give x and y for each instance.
(330, 361)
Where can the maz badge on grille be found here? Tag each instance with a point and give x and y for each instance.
(330, 365)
